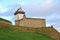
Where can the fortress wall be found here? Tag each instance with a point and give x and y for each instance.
(17, 22)
(47, 31)
(50, 32)
(34, 23)
(24, 29)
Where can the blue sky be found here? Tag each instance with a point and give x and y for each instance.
(47, 9)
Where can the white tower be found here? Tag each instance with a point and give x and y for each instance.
(19, 14)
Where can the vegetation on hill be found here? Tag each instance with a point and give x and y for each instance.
(6, 34)
(10, 32)
(1, 19)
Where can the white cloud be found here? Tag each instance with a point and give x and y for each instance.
(52, 16)
(46, 6)
(3, 9)
(43, 7)
(47, 3)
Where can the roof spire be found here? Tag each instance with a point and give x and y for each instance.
(20, 9)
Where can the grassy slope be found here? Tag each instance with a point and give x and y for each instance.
(15, 35)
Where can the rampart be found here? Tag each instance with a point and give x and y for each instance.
(46, 30)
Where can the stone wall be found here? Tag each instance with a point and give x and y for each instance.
(17, 22)
(34, 23)
(47, 31)
(50, 32)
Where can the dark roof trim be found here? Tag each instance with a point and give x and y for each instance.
(19, 13)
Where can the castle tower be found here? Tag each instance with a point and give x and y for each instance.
(19, 14)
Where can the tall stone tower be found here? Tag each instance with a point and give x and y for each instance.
(19, 14)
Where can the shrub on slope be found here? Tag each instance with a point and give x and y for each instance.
(1, 19)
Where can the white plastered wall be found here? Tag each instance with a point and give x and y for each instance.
(19, 16)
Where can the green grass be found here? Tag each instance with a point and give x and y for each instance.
(6, 34)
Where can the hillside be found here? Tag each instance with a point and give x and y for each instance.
(13, 32)
(6, 34)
